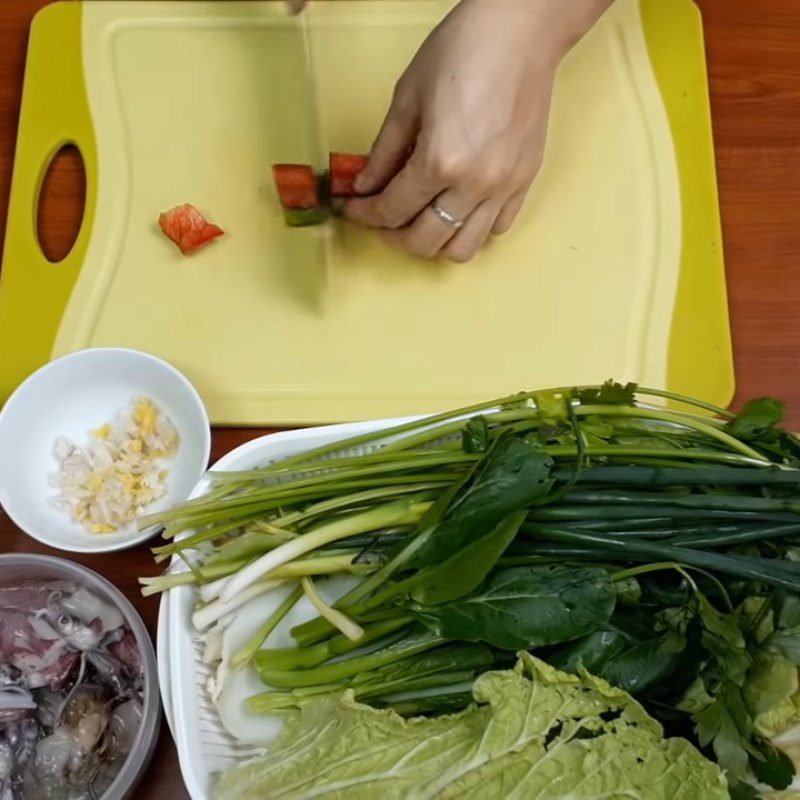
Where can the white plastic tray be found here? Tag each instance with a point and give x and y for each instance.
(204, 746)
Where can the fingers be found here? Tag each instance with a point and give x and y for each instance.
(508, 213)
(468, 240)
(400, 202)
(428, 234)
(296, 6)
(391, 148)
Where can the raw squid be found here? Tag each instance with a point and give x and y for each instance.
(70, 691)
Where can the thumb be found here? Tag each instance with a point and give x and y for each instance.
(390, 150)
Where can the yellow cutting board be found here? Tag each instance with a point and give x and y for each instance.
(613, 269)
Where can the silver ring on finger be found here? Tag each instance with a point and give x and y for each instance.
(445, 216)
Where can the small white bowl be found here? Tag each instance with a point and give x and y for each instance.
(72, 396)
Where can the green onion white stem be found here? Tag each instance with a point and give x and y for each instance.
(245, 653)
(401, 512)
(340, 621)
(209, 614)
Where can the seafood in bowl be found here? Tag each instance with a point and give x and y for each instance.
(72, 690)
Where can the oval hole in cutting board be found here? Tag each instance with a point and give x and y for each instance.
(61, 203)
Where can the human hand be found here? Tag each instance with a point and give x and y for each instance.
(464, 136)
(296, 6)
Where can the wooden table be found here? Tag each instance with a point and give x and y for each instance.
(754, 63)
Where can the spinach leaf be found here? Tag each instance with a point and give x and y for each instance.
(468, 567)
(592, 652)
(519, 608)
(512, 475)
(475, 436)
(640, 667)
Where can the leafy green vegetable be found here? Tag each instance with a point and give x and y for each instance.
(526, 607)
(591, 652)
(723, 638)
(726, 725)
(552, 408)
(464, 571)
(771, 680)
(758, 423)
(534, 732)
(640, 667)
(757, 419)
(475, 436)
(341, 670)
(513, 476)
(610, 393)
(431, 669)
(786, 641)
(774, 572)
(744, 791)
(772, 766)
(687, 526)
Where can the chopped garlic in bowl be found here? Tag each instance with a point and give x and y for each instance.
(119, 473)
(75, 395)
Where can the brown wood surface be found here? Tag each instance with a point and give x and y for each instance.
(754, 68)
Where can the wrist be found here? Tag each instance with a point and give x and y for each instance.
(562, 23)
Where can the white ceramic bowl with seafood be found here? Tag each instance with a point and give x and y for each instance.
(69, 398)
(79, 704)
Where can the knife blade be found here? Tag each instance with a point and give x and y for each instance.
(322, 281)
(320, 157)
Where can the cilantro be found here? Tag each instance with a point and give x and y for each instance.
(757, 419)
(757, 423)
(727, 727)
(723, 638)
(552, 407)
(785, 639)
(610, 393)
(596, 427)
(517, 401)
(675, 621)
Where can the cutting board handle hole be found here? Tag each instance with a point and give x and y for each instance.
(62, 200)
